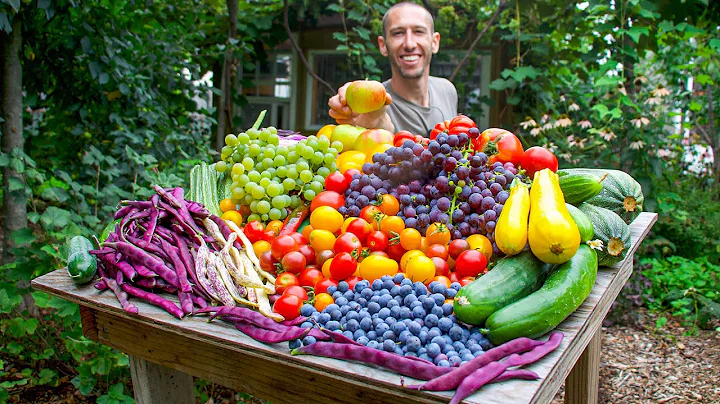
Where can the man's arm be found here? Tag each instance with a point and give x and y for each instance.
(343, 114)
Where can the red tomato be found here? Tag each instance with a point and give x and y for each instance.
(372, 214)
(537, 158)
(343, 266)
(283, 245)
(327, 198)
(441, 127)
(499, 145)
(360, 228)
(299, 238)
(453, 277)
(298, 291)
(470, 263)
(308, 252)
(437, 250)
(377, 241)
(395, 251)
(322, 256)
(336, 182)
(267, 262)
(254, 231)
(349, 243)
(457, 246)
(284, 281)
(349, 174)
(310, 276)
(401, 137)
(441, 266)
(380, 253)
(288, 306)
(323, 284)
(460, 124)
(293, 262)
(352, 281)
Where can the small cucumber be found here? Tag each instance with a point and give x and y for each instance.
(583, 223)
(562, 293)
(512, 279)
(578, 188)
(81, 265)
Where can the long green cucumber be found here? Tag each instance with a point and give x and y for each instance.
(512, 279)
(562, 293)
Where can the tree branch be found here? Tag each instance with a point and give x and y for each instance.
(702, 131)
(299, 51)
(501, 7)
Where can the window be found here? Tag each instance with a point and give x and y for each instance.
(270, 87)
(472, 82)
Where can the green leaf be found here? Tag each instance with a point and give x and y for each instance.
(355, 15)
(336, 8)
(666, 26)
(55, 217)
(608, 81)
(15, 4)
(64, 307)
(636, 32)
(46, 376)
(601, 109)
(15, 184)
(19, 327)
(339, 36)
(7, 303)
(41, 299)
(704, 79)
(714, 43)
(4, 159)
(695, 106)
(23, 236)
(363, 33)
(104, 78)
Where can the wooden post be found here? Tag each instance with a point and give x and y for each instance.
(156, 384)
(581, 385)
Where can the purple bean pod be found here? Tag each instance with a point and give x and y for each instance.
(197, 209)
(296, 321)
(479, 378)
(180, 269)
(186, 302)
(127, 269)
(154, 299)
(523, 374)
(178, 193)
(142, 257)
(140, 205)
(101, 285)
(199, 301)
(102, 251)
(270, 336)
(152, 225)
(143, 271)
(539, 351)
(179, 206)
(123, 211)
(146, 283)
(163, 233)
(121, 295)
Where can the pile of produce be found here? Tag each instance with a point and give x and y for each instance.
(443, 259)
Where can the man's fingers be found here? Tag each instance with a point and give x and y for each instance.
(388, 99)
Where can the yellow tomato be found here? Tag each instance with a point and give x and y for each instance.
(480, 243)
(275, 226)
(375, 266)
(326, 218)
(420, 269)
(326, 131)
(408, 256)
(227, 205)
(381, 148)
(233, 216)
(350, 159)
(410, 239)
(326, 269)
(321, 240)
(260, 247)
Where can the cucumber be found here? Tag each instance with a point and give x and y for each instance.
(81, 265)
(621, 193)
(583, 223)
(512, 279)
(562, 293)
(578, 188)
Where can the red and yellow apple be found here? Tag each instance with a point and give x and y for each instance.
(371, 138)
(365, 96)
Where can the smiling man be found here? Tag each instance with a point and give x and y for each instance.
(416, 101)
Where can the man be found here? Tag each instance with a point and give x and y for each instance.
(416, 101)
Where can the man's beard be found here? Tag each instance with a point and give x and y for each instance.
(409, 75)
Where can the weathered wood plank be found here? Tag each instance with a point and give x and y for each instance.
(157, 384)
(269, 371)
(581, 385)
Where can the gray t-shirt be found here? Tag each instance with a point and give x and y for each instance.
(419, 120)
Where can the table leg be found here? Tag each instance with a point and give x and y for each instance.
(157, 384)
(581, 385)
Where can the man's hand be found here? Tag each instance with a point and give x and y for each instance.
(343, 114)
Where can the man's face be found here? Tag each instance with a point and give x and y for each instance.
(409, 42)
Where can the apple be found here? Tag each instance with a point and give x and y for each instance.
(370, 139)
(346, 134)
(365, 96)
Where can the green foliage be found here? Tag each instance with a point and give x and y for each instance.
(685, 287)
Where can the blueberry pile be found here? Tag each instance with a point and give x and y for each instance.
(396, 315)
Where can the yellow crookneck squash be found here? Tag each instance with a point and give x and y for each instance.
(511, 231)
(552, 233)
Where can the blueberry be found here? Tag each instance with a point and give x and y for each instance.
(377, 320)
(399, 327)
(362, 285)
(433, 349)
(474, 347)
(445, 324)
(440, 357)
(366, 293)
(413, 344)
(296, 343)
(447, 309)
(423, 335)
(375, 299)
(366, 324)
(455, 285)
(363, 340)
(376, 285)
(485, 344)
(336, 294)
(332, 289)
(405, 312)
(351, 315)
(459, 346)
(420, 289)
(448, 340)
(434, 332)
(343, 286)
(450, 293)
(454, 360)
(437, 287)
(422, 351)
(363, 314)
(344, 310)
(309, 340)
(349, 295)
(425, 357)
(439, 298)
(384, 313)
(358, 333)
(388, 284)
(333, 325)
(449, 352)
(390, 321)
(372, 335)
(428, 304)
(405, 282)
(306, 310)
(381, 328)
(388, 345)
(414, 304)
(438, 340)
(348, 334)
(373, 307)
(361, 301)
(409, 300)
(352, 325)
(384, 299)
(398, 351)
(443, 363)
(431, 320)
(477, 336)
(315, 315)
(398, 299)
(478, 353)
(373, 344)
(406, 290)
(414, 328)
(437, 310)
(399, 277)
(411, 354)
(395, 290)
(419, 312)
(467, 357)
(324, 318)
(390, 335)
(306, 324)
(336, 315)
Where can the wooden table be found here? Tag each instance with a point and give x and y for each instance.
(166, 352)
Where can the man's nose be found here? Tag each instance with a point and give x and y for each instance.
(409, 41)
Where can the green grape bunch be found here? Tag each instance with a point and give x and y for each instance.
(273, 178)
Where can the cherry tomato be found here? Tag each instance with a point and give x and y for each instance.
(343, 266)
(308, 252)
(466, 280)
(306, 231)
(310, 276)
(388, 205)
(327, 198)
(293, 262)
(437, 250)
(480, 243)
(443, 280)
(288, 306)
(299, 238)
(377, 241)
(437, 233)
(322, 256)
(323, 284)
(392, 226)
(275, 226)
(349, 243)
(407, 257)
(395, 251)
(420, 269)
(323, 300)
(352, 281)
(283, 245)
(410, 239)
(457, 246)
(336, 182)
(360, 228)
(499, 145)
(375, 266)
(441, 266)
(470, 263)
(267, 262)
(284, 281)
(372, 215)
(439, 128)
(350, 173)
(460, 124)
(401, 137)
(326, 218)
(321, 240)
(298, 291)
(254, 231)
(536, 158)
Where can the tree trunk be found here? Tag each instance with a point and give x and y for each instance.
(225, 107)
(11, 101)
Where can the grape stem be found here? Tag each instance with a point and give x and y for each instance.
(259, 119)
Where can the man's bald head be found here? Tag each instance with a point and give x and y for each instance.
(397, 8)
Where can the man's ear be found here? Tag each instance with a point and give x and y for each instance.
(435, 42)
(382, 46)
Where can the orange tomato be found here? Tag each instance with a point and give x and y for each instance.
(227, 205)
(438, 233)
(372, 215)
(443, 280)
(306, 231)
(260, 247)
(480, 243)
(323, 300)
(275, 226)
(326, 268)
(389, 205)
(410, 239)
(424, 244)
(345, 224)
(392, 224)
